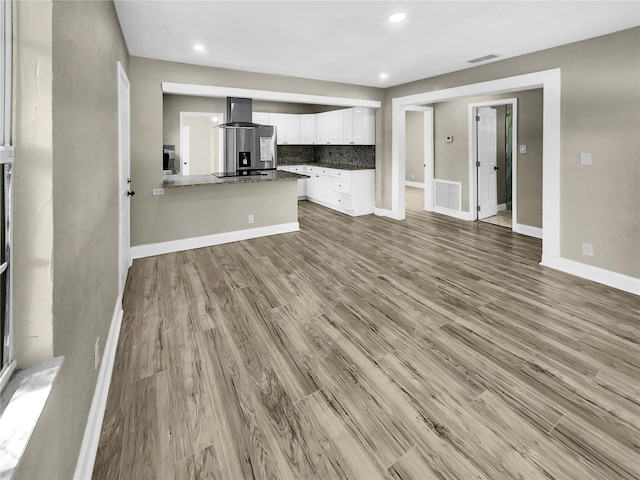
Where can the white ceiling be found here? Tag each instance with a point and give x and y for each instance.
(352, 41)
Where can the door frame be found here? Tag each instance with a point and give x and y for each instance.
(473, 155)
(428, 153)
(124, 248)
(550, 82)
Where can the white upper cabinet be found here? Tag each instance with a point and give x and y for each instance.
(291, 129)
(330, 128)
(278, 121)
(363, 126)
(348, 126)
(261, 118)
(307, 129)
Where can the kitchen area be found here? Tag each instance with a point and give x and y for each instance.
(330, 153)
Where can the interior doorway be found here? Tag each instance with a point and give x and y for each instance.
(494, 160)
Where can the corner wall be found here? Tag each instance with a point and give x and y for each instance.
(86, 43)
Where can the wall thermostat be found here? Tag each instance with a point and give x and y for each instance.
(448, 139)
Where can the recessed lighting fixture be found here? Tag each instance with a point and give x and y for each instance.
(384, 76)
(397, 17)
(198, 47)
(214, 119)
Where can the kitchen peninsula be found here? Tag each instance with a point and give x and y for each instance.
(173, 181)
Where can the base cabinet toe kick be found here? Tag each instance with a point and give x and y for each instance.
(351, 192)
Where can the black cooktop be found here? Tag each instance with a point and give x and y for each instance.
(239, 173)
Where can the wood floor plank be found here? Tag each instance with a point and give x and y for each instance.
(367, 348)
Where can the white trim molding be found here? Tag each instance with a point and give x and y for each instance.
(414, 184)
(459, 214)
(223, 92)
(527, 230)
(91, 438)
(384, 212)
(502, 207)
(142, 251)
(596, 274)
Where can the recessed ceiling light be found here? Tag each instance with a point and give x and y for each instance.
(397, 17)
(384, 76)
(214, 119)
(198, 47)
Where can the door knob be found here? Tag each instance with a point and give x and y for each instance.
(131, 193)
(496, 168)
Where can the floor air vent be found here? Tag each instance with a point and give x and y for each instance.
(448, 194)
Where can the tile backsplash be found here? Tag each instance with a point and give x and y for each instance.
(357, 155)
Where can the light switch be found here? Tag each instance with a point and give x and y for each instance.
(523, 149)
(585, 159)
(448, 139)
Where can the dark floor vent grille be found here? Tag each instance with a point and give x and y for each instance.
(483, 59)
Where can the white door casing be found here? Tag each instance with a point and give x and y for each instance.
(184, 150)
(486, 122)
(124, 154)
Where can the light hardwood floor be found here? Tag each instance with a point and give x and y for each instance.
(369, 348)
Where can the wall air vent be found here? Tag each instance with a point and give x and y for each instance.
(448, 194)
(483, 59)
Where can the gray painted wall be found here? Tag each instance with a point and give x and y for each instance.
(81, 117)
(414, 147)
(600, 113)
(153, 218)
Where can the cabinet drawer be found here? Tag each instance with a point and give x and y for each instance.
(342, 174)
(342, 200)
(341, 186)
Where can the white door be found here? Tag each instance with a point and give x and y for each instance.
(487, 162)
(125, 192)
(184, 150)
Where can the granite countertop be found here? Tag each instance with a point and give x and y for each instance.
(172, 181)
(338, 166)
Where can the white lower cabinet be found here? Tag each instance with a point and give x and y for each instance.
(347, 191)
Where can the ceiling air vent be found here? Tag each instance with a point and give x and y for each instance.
(483, 59)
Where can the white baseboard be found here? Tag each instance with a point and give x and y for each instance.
(528, 230)
(502, 207)
(383, 212)
(142, 251)
(454, 213)
(595, 274)
(89, 447)
(414, 184)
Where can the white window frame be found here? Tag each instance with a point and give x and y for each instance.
(6, 163)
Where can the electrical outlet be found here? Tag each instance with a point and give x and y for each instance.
(251, 218)
(96, 354)
(587, 249)
(158, 191)
(413, 176)
(585, 159)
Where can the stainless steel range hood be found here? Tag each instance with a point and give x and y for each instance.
(239, 113)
